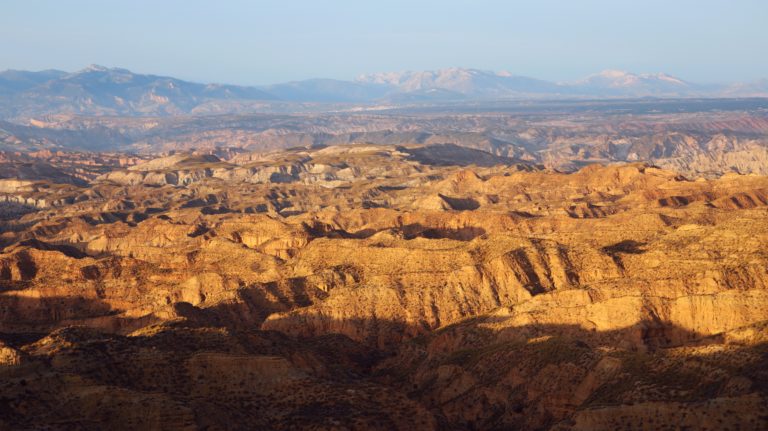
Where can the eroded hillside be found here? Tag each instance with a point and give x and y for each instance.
(384, 287)
(694, 137)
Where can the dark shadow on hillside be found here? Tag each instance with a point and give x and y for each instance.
(615, 251)
(322, 230)
(417, 230)
(460, 204)
(26, 315)
(645, 335)
(65, 249)
(160, 361)
(409, 231)
(454, 155)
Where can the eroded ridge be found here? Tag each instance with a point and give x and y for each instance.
(377, 287)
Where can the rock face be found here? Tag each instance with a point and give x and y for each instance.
(386, 287)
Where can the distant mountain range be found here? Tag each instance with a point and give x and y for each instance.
(97, 90)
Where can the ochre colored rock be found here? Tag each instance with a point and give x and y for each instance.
(368, 288)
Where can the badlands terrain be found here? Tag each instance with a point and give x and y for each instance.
(611, 277)
(386, 258)
(694, 137)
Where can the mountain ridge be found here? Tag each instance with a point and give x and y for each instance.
(100, 90)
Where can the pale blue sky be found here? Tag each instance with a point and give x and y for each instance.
(260, 42)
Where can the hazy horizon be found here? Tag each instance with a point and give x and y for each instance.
(238, 42)
(354, 78)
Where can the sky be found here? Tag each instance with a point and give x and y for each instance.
(264, 41)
